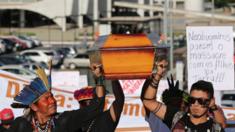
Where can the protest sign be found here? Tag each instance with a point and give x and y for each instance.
(210, 56)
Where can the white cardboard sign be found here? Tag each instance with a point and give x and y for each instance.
(210, 56)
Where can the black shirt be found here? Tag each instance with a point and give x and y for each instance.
(2, 129)
(185, 123)
(103, 123)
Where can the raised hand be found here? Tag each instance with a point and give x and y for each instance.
(97, 70)
(171, 84)
(161, 67)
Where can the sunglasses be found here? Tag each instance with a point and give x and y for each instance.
(201, 101)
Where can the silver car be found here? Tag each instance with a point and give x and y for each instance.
(78, 60)
(20, 71)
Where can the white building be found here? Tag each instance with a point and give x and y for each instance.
(58, 10)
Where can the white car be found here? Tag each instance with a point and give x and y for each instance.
(35, 40)
(42, 55)
(20, 71)
(33, 67)
(78, 60)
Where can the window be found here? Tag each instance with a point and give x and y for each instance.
(228, 97)
(31, 54)
(26, 66)
(49, 53)
(16, 71)
(82, 56)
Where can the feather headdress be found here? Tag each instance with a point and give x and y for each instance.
(32, 92)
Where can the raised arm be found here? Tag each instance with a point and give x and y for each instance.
(145, 86)
(149, 93)
(117, 105)
(99, 80)
(78, 118)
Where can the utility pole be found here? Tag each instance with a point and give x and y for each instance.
(165, 19)
(165, 30)
(80, 15)
(171, 39)
(213, 12)
(95, 17)
(151, 23)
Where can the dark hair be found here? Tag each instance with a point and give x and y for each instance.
(204, 86)
(161, 57)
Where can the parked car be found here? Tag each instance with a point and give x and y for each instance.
(10, 60)
(21, 44)
(228, 99)
(10, 45)
(30, 43)
(33, 67)
(43, 55)
(35, 40)
(70, 51)
(2, 47)
(20, 71)
(22, 58)
(78, 60)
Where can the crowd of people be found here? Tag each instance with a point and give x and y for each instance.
(179, 111)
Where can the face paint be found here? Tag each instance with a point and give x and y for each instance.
(46, 104)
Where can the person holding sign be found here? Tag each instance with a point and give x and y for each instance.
(41, 114)
(108, 120)
(196, 118)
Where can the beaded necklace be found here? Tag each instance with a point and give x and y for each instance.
(90, 126)
(187, 129)
(39, 128)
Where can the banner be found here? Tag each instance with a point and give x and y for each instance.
(132, 118)
(210, 56)
(12, 84)
(133, 112)
(68, 80)
(132, 88)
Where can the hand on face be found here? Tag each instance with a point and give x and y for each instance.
(212, 102)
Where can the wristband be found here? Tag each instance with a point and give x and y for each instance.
(99, 81)
(155, 80)
(157, 108)
(154, 85)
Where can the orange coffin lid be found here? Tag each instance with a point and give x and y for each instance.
(127, 56)
(125, 40)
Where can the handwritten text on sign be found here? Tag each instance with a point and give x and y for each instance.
(210, 56)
